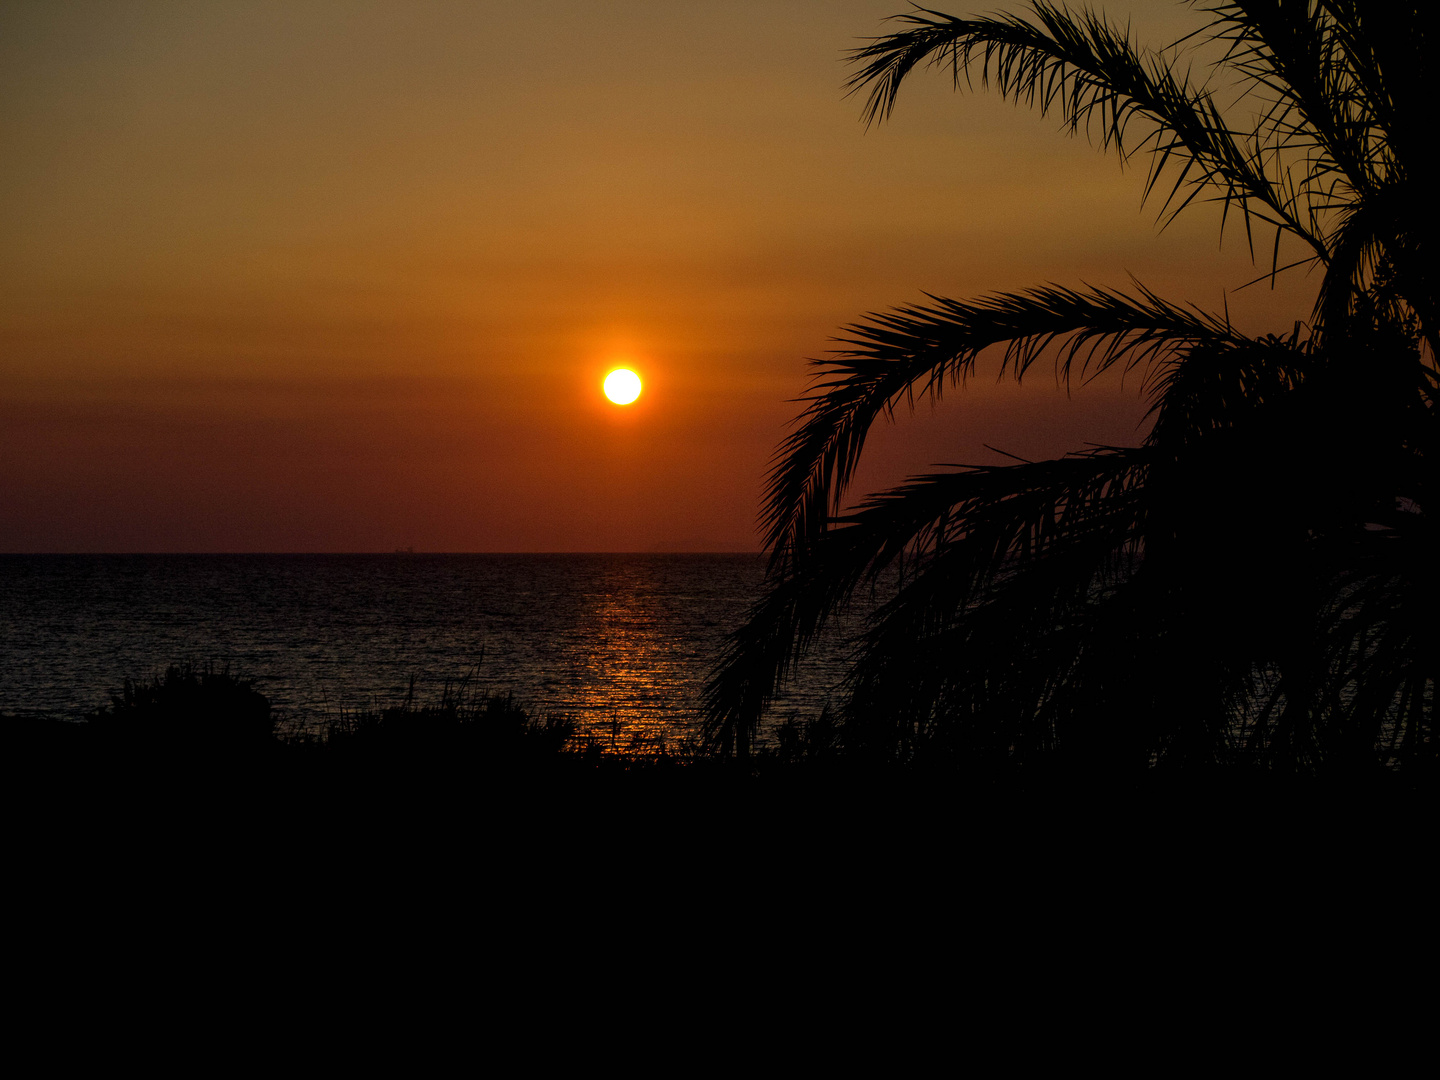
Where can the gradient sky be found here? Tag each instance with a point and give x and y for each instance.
(346, 276)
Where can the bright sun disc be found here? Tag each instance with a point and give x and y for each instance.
(622, 386)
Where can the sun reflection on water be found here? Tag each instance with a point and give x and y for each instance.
(631, 670)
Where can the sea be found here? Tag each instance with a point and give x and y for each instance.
(622, 644)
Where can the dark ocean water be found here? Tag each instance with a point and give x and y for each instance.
(623, 643)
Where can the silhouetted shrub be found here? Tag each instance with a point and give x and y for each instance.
(458, 726)
(189, 707)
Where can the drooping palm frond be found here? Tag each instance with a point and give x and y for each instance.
(983, 521)
(1007, 578)
(1293, 56)
(1338, 127)
(1089, 70)
(1214, 384)
(916, 350)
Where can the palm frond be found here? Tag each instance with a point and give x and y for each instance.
(981, 633)
(985, 521)
(1090, 72)
(1293, 55)
(916, 350)
(1345, 91)
(1218, 383)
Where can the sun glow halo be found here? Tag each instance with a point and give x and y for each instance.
(622, 386)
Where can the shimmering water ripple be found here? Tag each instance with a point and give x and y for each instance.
(621, 642)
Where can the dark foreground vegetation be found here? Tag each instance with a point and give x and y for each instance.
(213, 723)
(200, 745)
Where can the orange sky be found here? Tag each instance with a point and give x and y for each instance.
(346, 276)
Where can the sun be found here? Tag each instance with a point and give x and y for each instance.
(622, 386)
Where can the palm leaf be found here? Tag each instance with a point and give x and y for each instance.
(1088, 70)
(987, 520)
(916, 350)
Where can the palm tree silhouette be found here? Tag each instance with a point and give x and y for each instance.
(1256, 582)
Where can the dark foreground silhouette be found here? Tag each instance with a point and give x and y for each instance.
(461, 852)
(196, 752)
